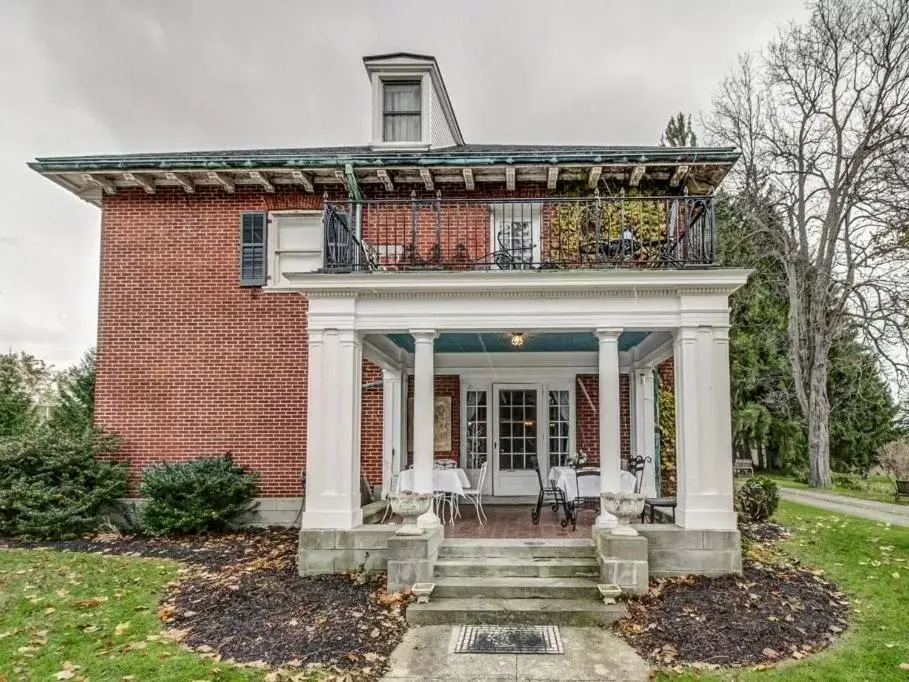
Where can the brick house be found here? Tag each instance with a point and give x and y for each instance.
(321, 309)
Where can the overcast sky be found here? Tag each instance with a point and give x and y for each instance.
(111, 76)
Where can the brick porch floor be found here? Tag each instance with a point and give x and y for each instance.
(513, 521)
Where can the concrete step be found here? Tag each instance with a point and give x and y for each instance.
(525, 549)
(568, 612)
(532, 567)
(515, 588)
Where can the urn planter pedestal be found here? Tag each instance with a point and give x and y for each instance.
(409, 506)
(624, 506)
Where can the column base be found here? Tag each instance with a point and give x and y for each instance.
(338, 520)
(706, 519)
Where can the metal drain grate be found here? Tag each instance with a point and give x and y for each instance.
(509, 639)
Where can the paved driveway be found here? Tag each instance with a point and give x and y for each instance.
(868, 509)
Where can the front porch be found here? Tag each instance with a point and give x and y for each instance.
(512, 405)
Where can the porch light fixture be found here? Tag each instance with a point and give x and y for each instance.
(517, 340)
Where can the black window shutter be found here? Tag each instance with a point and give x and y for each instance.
(252, 249)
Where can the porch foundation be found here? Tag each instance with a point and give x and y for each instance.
(412, 559)
(623, 560)
(330, 551)
(672, 551)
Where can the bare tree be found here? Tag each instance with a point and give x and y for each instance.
(822, 119)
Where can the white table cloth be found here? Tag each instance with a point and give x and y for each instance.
(565, 478)
(443, 480)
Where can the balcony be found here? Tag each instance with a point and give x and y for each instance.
(520, 234)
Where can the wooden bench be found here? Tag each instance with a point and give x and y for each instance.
(743, 467)
(902, 490)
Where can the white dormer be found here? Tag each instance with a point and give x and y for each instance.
(410, 105)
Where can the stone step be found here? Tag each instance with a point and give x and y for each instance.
(515, 588)
(542, 567)
(568, 612)
(525, 549)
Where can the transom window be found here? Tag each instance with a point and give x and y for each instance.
(402, 111)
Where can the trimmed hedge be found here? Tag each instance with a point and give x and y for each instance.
(207, 493)
(52, 486)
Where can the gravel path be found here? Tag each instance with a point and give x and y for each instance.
(868, 509)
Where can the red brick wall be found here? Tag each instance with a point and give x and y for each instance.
(188, 361)
(587, 427)
(371, 424)
(445, 385)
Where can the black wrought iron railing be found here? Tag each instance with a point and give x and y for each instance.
(520, 234)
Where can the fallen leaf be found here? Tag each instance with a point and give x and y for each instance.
(121, 628)
(904, 666)
(770, 653)
(65, 675)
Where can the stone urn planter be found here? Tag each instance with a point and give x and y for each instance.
(409, 506)
(624, 506)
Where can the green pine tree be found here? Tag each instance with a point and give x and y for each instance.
(75, 408)
(679, 132)
(17, 409)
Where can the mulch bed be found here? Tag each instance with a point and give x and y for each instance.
(213, 551)
(776, 610)
(241, 599)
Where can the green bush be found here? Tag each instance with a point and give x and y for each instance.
(802, 476)
(847, 481)
(757, 499)
(52, 486)
(202, 494)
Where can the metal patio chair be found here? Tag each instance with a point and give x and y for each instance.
(588, 482)
(548, 495)
(475, 495)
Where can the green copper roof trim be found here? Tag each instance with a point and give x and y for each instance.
(341, 157)
(353, 187)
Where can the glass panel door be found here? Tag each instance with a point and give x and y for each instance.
(517, 429)
(516, 439)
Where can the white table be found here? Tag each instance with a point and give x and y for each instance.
(565, 479)
(452, 481)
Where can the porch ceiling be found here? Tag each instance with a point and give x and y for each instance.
(542, 342)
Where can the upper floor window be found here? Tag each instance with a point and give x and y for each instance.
(402, 111)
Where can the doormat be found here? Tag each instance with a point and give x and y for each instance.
(509, 639)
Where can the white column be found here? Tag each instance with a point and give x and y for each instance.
(703, 429)
(333, 430)
(391, 427)
(423, 416)
(643, 425)
(610, 434)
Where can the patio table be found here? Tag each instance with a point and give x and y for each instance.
(451, 481)
(565, 478)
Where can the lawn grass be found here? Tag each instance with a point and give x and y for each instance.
(870, 562)
(878, 488)
(98, 613)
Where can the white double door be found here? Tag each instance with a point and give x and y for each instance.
(530, 423)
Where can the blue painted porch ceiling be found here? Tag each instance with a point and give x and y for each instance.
(543, 342)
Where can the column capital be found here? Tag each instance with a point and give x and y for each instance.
(608, 334)
(424, 335)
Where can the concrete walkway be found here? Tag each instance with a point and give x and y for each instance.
(590, 654)
(868, 509)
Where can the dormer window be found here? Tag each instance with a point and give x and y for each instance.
(410, 105)
(402, 111)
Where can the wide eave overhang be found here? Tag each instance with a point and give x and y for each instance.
(357, 169)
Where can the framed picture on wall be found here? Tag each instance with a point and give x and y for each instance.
(441, 428)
